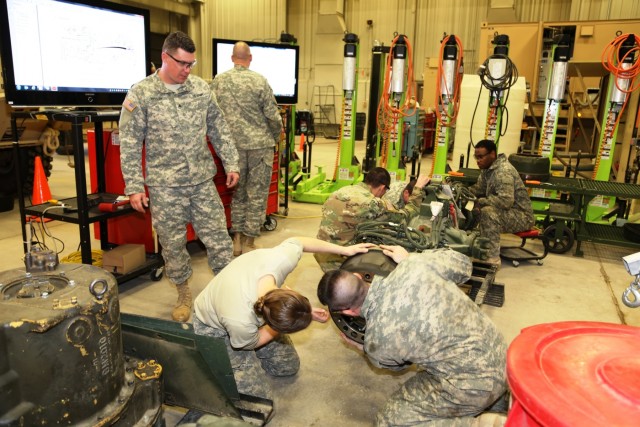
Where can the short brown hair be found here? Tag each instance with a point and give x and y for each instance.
(284, 310)
(378, 176)
(341, 290)
(178, 40)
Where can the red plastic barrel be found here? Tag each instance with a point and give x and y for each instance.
(575, 374)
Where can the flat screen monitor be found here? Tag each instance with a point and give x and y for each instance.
(277, 62)
(84, 53)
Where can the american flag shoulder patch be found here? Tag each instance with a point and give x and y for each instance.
(129, 105)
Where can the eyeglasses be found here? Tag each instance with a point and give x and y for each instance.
(480, 156)
(183, 64)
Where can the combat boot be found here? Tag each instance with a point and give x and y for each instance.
(182, 311)
(237, 244)
(248, 245)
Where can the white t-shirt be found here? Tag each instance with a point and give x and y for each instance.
(227, 301)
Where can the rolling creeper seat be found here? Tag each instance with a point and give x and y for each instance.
(517, 254)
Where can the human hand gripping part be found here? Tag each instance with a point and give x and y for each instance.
(139, 201)
(396, 253)
(422, 181)
(351, 342)
(319, 314)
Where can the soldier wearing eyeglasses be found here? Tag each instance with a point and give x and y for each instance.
(171, 113)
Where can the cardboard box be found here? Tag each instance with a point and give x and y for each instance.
(124, 258)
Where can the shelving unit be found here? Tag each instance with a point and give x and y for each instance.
(86, 211)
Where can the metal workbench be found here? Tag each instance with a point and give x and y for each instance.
(579, 193)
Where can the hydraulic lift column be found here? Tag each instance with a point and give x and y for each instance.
(376, 83)
(348, 168)
(497, 69)
(317, 189)
(449, 77)
(561, 53)
(623, 56)
(392, 122)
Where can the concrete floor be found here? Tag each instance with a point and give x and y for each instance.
(336, 385)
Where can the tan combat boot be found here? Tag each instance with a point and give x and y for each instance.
(182, 311)
(248, 245)
(237, 244)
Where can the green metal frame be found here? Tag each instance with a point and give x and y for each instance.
(197, 373)
(318, 188)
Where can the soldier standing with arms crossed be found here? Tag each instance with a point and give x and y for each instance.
(171, 113)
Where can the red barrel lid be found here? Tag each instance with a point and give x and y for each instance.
(577, 373)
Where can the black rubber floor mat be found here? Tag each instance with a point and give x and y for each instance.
(494, 296)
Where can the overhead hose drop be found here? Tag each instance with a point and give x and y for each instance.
(448, 82)
(622, 59)
(497, 74)
(449, 77)
(391, 108)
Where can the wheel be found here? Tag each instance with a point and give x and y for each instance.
(156, 274)
(515, 263)
(560, 238)
(368, 265)
(270, 223)
(540, 262)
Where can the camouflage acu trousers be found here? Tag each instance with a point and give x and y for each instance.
(172, 208)
(427, 401)
(277, 358)
(494, 221)
(249, 205)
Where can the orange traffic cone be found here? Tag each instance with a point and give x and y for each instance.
(301, 141)
(41, 193)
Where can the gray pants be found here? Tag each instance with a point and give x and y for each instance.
(427, 401)
(172, 208)
(249, 204)
(278, 358)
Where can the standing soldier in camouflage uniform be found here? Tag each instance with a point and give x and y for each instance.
(252, 113)
(354, 204)
(503, 204)
(418, 315)
(171, 112)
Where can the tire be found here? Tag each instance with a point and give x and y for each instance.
(270, 223)
(631, 232)
(561, 243)
(156, 274)
(368, 265)
(531, 167)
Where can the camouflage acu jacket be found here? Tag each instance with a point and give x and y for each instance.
(351, 205)
(173, 127)
(249, 107)
(501, 186)
(418, 315)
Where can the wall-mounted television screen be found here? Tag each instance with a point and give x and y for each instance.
(277, 62)
(84, 53)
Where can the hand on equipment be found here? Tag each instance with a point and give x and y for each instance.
(319, 314)
(351, 342)
(360, 248)
(422, 181)
(396, 253)
(139, 201)
(232, 179)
